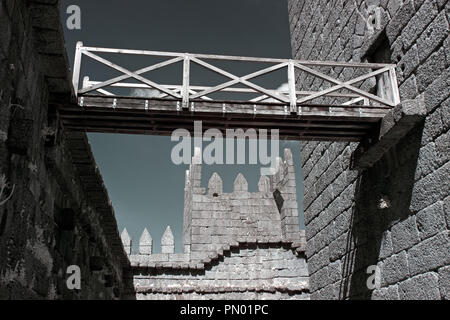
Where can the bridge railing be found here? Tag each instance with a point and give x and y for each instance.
(331, 85)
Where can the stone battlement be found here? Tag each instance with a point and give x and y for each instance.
(214, 221)
(236, 245)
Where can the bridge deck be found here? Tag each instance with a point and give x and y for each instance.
(160, 117)
(351, 100)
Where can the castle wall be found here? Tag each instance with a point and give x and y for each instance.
(347, 227)
(59, 212)
(238, 245)
(248, 272)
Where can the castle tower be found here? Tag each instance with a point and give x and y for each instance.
(237, 245)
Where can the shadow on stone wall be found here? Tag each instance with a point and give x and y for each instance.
(382, 198)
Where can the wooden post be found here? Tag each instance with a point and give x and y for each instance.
(77, 68)
(394, 86)
(85, 82)
(185, 91)
(292, 91)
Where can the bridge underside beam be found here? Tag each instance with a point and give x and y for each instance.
(160, 117)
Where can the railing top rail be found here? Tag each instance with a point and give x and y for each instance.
(236, 58)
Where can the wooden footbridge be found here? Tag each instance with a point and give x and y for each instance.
(351, 100)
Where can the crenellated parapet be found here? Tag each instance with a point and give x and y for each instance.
(126, 240)
(146, 243)
(237, 244)
(145, 256)
(167, 242)
(214, 220)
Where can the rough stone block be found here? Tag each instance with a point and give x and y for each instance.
(447, 211)
(145, 243)
(444, 282)
(404, 234)
(327, 293)
(437, 92)
(434, 34)
(401, 18)
(395, 125)
(408, 89)
(446, 46)
(442, 148)
(335, 271)
(339, 247)
(386, 247)
(419, 21)
(389, 293)
(431, 220)
(427, 161)
(394, 269)
(319, 279)
(421, 287)
(430, 254)
(430, 189)
(427, 72)
(319, 260)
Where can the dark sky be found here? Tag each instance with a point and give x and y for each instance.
(145, 187)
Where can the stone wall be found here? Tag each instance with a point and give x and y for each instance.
(395, 214)
(59, 213)
(238, 245)
(249, 272)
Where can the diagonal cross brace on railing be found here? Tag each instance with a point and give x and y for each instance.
(127, 76)
(185, 92)
(242, 80)
(132, 74)
(346, 85)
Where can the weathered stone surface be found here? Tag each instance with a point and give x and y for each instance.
(429, 254)
(421, 287)
(424, 15)
(426, 73)
(411, 223)
(433, 36)
(399, 198)
(430, 189)
(395, 125)
(264, 184)
(215, 185)
(405, 234)
(386, 248)
(398, 22)
(146, 243)
(240, 183)
(389, 293)
(126, 240)
(447, 211)
(431, 220)
(167, 241)
(59, 214)
(444, 282)
(437, 91)
(394, 269)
